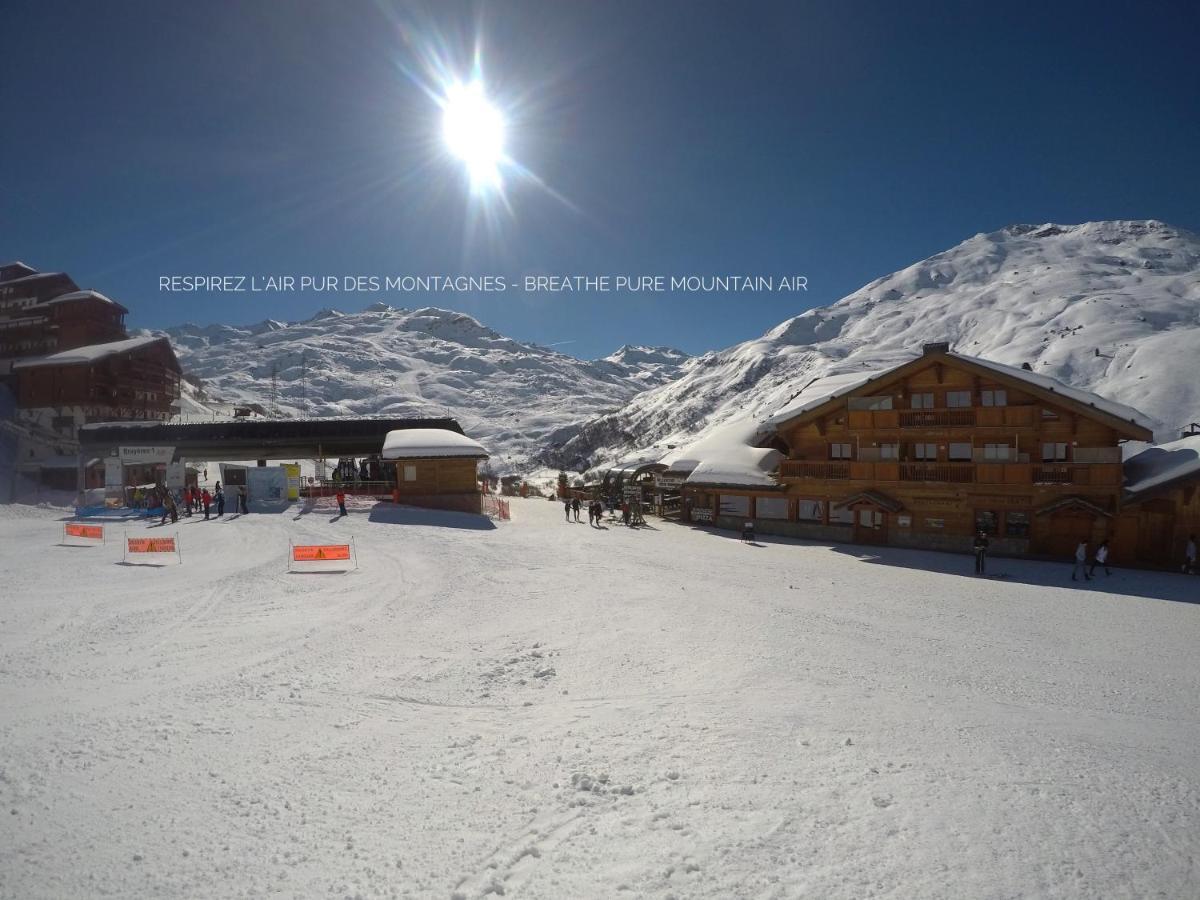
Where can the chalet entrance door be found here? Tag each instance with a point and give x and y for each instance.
(870, 525)
(1065, 531)
(1155, 530)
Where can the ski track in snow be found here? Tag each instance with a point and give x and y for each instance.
(549, 710)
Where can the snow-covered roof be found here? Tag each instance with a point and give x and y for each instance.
(725, 456)
(421, 443)
(90, 353)
(1156, 466)
(81, 295)
(821, 390)
(1046, 383)
(825, 389)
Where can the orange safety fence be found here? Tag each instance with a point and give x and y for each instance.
(90, 532)
(151, 545)
(313, 552)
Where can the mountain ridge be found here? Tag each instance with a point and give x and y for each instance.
(1113, 307)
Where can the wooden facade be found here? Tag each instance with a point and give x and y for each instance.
(439, 483)
(929, 453)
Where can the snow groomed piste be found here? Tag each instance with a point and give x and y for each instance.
(485, 707)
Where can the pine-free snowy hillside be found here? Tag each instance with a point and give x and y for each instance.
(515, 398)
(1113, 307)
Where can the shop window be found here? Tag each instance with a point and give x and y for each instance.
(841, 516)
(987, 521)
(840, 451)
(733, 505)
(870, 518)
(810, 510)
(771, 508)
(993, 398)
(921, 401)
(958, 399)
(1054, 452)
(1016, 524)
(960, 451)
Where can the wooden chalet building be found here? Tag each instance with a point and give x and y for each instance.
(435, 468)
(931, 451)
(1160, 510)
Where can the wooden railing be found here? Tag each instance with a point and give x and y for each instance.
(998, 472)
(799, 468)
(956, 473)
(937, 418)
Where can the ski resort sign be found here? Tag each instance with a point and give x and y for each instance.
(146, 456)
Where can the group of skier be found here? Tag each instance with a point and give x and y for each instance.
(194, 500)
(572, 506)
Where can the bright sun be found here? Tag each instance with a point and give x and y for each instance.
(474, 132)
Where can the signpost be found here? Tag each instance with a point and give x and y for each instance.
(146, 456)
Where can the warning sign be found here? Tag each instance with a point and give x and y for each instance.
(152, 545)
(82, 535)
(314, 552)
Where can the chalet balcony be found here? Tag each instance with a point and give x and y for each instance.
(800, 468)
(938, 419)
(1107, 474)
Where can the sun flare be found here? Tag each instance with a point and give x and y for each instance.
(473, 130)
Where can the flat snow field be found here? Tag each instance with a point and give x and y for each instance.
(541, 709)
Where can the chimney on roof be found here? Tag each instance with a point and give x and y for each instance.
(939, 347)
(1027, 367)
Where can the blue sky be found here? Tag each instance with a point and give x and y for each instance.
(839, 141)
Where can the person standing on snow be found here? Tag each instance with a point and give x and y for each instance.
(1101, 559)
(206, 499)
(341, 501)
(567, 508)
(243, 507)
(169, 508)
(575, 508)
(1189, 556)
(981, 546)
(1081, 555)
(219, 496)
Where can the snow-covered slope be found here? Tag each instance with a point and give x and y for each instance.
(1112, 307)
(515, 398)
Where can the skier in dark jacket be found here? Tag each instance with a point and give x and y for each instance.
(169, 508)
(981, 546)
(575, 508)
(219, 496)
(567, 508)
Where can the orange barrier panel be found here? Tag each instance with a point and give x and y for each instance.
(313, 552)
(152, 545)
(86, 532)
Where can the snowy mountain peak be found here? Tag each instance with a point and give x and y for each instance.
(1112, 307)
(636, 354)
(516, 398)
